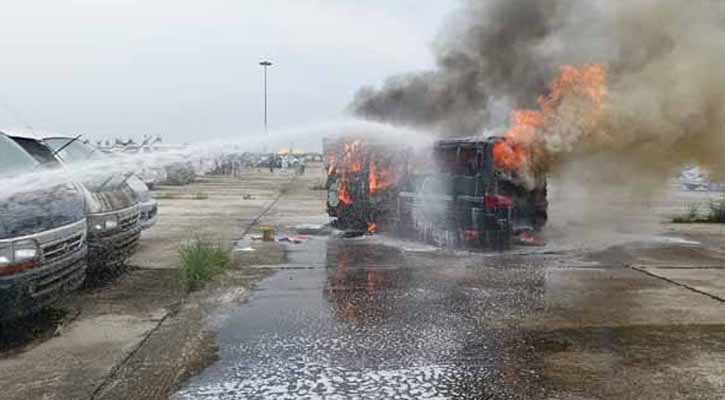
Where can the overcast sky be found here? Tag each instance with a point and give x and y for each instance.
(188, 69)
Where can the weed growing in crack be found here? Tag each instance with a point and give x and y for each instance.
(201, 261)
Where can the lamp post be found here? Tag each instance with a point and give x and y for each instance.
(265, 64)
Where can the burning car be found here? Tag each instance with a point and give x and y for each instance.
(455, 194)
(42, 238)
(363, 182)
(112, 206)
(464, 198)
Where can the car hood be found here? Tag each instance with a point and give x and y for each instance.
(109, 197)
(28, 213)
(115, 199)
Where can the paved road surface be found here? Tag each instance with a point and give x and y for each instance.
(354, 319)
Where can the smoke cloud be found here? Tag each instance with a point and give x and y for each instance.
(665, 62)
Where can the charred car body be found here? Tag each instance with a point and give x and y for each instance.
(112, 207)
(452, 195)
(42, 237)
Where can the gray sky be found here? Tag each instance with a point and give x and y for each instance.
(188, 69)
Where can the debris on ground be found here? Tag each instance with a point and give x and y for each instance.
(245, 249)
(267, 234)
(293, 239)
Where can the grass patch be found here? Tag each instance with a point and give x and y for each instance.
(201, 261)
(714, 214)
(200, 196)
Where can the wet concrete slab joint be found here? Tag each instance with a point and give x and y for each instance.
(709, 281)
(620, 297)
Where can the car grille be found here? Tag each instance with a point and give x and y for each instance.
(128, 222)
(70, 276)
(58, 250)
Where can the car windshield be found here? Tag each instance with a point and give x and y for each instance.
(76, 153)
(13, 159)
(73, 151)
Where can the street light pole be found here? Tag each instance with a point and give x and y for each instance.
(265, 64)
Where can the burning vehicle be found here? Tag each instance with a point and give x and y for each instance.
(42, 238)
(112, 206)
(363, 182)
(456, 194)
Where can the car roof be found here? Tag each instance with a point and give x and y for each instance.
(467, 143)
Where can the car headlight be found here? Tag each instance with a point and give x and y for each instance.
(25, 250)
(111, 223)
(6, 254)
(105, 223)
(18, 256)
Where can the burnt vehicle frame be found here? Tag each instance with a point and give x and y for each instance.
(452, 194)
(359, 197)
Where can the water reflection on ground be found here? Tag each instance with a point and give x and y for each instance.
(362, 320)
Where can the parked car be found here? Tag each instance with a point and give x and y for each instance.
(180, 173)
(148, 206)
(113, 207)
(141, 184)
(42, 238)
(149, 174)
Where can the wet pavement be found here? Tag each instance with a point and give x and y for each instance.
(376, 318)
(351, 319)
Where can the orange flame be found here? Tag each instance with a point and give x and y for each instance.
(381, 178)
(350, 163)
(588, 82)
(372, 228)
(355, 156)
(344, 194)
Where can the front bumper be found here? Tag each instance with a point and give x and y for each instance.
(63, 270)
(108, 251)
(149, 214)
